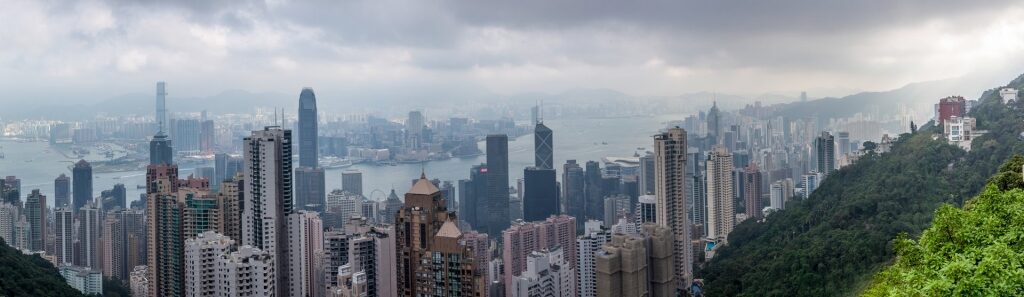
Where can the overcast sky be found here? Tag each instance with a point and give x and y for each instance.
(91, 50)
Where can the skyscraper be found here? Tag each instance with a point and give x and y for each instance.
(35, 213)
(574, 191)
(522, 238)
(230, 198)
(825, 148)
(307, 129)
(429, 240)
(670, 191)
(64, 239)
(61, 191)
(588, 246)
(543, 147)
(309, 188)
(268, 197)
(164, 234)
(161, 106)
(540, 199)
(89, 229)
(352, 181)
(715, 124)
(594, 196)
(160, 149)
(305, 252)
(497, 184)
(10, 190)
(752, 191)
(82, 178)
(646, 175)
(721, 215)
(473, 198)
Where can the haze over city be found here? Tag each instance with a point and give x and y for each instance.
(511, 149)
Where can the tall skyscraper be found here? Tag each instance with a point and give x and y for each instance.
(62, 191)
(123, 240)
(160, 150)
(35, 213)
(352, 181)
(307, 129)
(161, 106)
(473, 198)
(540, 199)
(89, 221)
(753, 184)
(9, 215)
(82, 178)
(574, 191)
(64, 239)
(843, 143)
(543, 147)
(497, 184)
(715, 124)
(589, 245)
(229, 199)
(429, 240)
(721, 215)
(164, 232)
(305, 252)
(522, 239)
(825, 148)
(647, 175)
(670, 190)
(10, 190)
(268, 197)
(637, 265)
(594, 196)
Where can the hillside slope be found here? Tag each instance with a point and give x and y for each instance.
(24, 275)
(833, 242)
(974, 251)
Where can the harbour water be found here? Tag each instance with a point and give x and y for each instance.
(581, 139)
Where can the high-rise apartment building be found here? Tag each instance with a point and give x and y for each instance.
(9, 214)
(547, 273)
(497, 184)
(229, 199)
(64, 239)
(268, 197)
(427, 240)
(201, 212)
(721, 215)
(89, 221)
(637, 265)
(82, 179)
(164, 232)
(213, 268)
(670, 152)
(753, 183)
(647, 209)
(305, 252)
(588, 246)
(523, 238)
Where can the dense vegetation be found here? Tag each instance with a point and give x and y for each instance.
(834, 241)
(24, 275)
(974, 251)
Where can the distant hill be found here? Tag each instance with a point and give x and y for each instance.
(917, 96)
(832, 243)
(24, 275)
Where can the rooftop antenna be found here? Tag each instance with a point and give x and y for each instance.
(540, 112)
(275, 116)
(423, 170)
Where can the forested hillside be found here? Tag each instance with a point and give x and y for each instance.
(974, 251)
(832, 243)
(24, 275)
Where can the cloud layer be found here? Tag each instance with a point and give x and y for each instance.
(83, 50)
